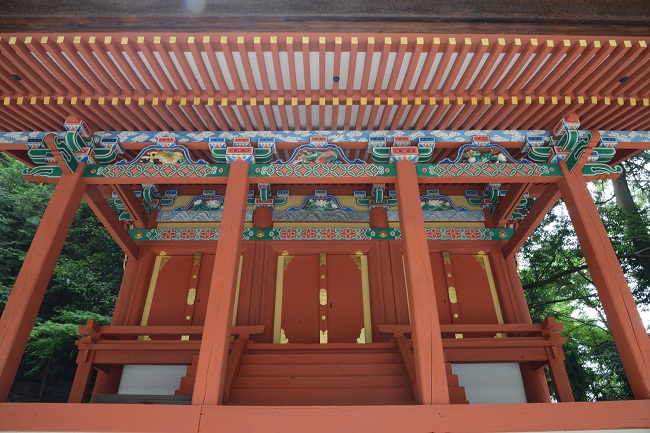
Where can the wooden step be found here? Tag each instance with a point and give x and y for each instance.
(325, 382)
(315, 370)
(452, 380)
(142, 399)
(457, 394)
(320, 396)
(321, 358)
(186, 387)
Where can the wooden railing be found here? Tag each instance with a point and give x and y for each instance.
(539, 344)
(120, 345)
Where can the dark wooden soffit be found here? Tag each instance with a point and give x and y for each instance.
(576, 17)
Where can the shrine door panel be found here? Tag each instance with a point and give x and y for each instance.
(167, 296)
(179, 288)
(321, 299)
(465, 290)
(344, 309)
(299, 308)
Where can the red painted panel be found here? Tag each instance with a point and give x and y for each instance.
(440, 283)
(345, 299)
(170, 295)
(473, 290)
(202, 289)
(300, 307)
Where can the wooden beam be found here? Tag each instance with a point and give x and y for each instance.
(541, 207)
(107, 217)
(133, 205)
(623, 317)
(28, 291)
(427, 340)
(211, 368)
(610, 415)
(509, 203)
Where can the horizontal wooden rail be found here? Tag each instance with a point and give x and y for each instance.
(548, 327)
(98, 332)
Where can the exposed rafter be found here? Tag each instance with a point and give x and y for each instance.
(246, 81)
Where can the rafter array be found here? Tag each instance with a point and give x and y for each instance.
(237, 82)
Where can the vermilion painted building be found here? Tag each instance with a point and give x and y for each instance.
(321, 211)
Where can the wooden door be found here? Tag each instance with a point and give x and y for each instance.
(321, 298)
(465, 289)
(178, 290)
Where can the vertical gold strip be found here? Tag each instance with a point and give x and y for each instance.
(234, 310)
(493, 291)
(365, 288)
(150, 293)
(279, 284)
(406, 286)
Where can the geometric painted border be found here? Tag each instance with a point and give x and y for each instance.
(320, 234)
(458, 136)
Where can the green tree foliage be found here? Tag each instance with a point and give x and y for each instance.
(557, 282)
(84, 284)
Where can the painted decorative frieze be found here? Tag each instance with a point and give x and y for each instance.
(377, 197)
(486, 199)
(320, 234)
(475, 170)
(197, 171)
(320, 207)
(482, 151)
(241, 148)
(123, 214)
(402, 149)
(321, 170)
(265, 197)
(164, 152)
(567, 143)
(318, 152)
(455, 136)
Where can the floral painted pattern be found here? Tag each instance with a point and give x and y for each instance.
(308, 234)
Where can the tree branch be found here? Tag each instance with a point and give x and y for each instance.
(554, 278)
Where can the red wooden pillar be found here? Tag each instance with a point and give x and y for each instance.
(378, 217)
(211, 368)
(622, 315)
(263, 217)
(28, 291)
(427, 338)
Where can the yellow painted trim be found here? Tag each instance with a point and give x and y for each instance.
(493, 288)
(279, 285)
(234, 310)
(152, 288)
(365, 289)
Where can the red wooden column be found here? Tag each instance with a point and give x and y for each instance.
(211, 368)
(378, 217)
(427, 339)
(28, 291)
(263, 217)
(622, 315)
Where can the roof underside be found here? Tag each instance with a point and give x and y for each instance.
(290, 81)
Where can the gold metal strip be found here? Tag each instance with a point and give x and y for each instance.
(279, 284)
(234, 311)
(365, 289)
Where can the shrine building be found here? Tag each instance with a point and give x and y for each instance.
(320, 212)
